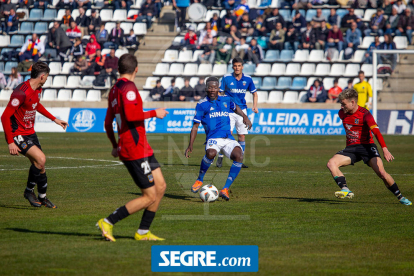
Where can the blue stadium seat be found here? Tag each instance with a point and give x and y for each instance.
(35, 15)
(27, 38)
(229, 68)
(310, 14)
(26, 28)
(299, 83)
(269, 83)
(286, 55)
(284, 83)
(248, 39)
(271, 56)
(17, 41)
(49, 15)
(248, 69)
(286, 15)
(50, 54)
(1, 66)
(326, 13)
(27, 78)
(5, 50)
(257, 82)
(341, 12)
(40, 27)
(9, 66)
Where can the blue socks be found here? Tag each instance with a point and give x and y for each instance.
(243, 145)
(205, 164)
(234, 172)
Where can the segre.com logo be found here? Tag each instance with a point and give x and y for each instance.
(205, 258)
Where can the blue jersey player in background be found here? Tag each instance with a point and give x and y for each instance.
(213, 112)
(236, 85)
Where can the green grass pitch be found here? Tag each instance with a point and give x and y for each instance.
(284, 203)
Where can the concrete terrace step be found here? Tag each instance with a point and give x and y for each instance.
(395, 97)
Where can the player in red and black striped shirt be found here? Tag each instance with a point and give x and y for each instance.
(359, 123)
(125, 105)
(18, 123)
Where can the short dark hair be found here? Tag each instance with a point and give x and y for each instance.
(361, 72)
(336, 80)
(237, 60)
(172, 81)
(127, 64)
(158, 81)
(39, 68)
(211, 79)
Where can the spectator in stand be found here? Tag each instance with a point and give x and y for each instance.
(230, 4)
(291, 39)
(11, 22)
(406, 25)
(377, 24)
(241, 9)
(157, 91)
(5, 8)
(131, 40)
(364, 4)
(123, 4)
(391, 24)
(400, 7)
(302, 4)
(245, 25)
(187, 92)
(350, 83)
(223, 54)
(255, 52)
(3, 81)
(80, 65)
(99, 62)
(334, 92)
(95, 22)
(190, 38)
(171, 93)
(227, 21)
(259, 27)
(348, 19)
(67, 19)
(353, 39)
(73, 32)
(40, 4)
(318, 19)
(200, 90)
(333, 19)
(240, 50)
(64, 4)
(81, 3)
(299, 22)
(209, 54)
(273, 19)
(316, 93)
(180, 7)
(308, 39)
(411, 6)
(77, 49)
(388, 44)
(215, 22)
(235, 34)
(387, 7)
(374, 45)
(206, 35)
(146, 13)
(92, 46)
(83, 21)
(277, 38)
(116, 37)
(335, 39)
(111, 65)
(61, 42)
(321, 36)
(14, 79)
(33, 49)
(101, 35)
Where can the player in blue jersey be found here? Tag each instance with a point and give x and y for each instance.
(236, 85)
(214, 113)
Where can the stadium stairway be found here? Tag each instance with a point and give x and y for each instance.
(155, 42)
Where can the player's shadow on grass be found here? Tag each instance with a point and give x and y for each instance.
(94, 236)
(19, 207)
(182, 197)
(310, 200)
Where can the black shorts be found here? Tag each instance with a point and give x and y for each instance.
(25, 142)
(141, 171)
(360, 152)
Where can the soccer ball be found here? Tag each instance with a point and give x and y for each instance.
(209, 193)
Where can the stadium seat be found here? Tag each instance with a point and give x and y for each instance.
(219, 70)
(126, 26)
(49, 15)
(328, 83)
(190, 69)
(367, 68)
(170, 56)
(322, 69)
(137, 4)
(292, 69)
(64, 95)
(87, 82)
(366, 42)
(249, 98)
(166, 82)
(5, 94)
(194, 81)
(358, 56)
(368, 14)
(316, 56)
(205, 69)
(307, 69)
(360, 13)
(179, 82)
(106, 14)
(196, 54)
(378, 84)
(185, 56)
(262, 96)
(60, 14)
(161, 69)
(337, 69)
(302, 12)
(145, 96)
(50, 54)
(286, 14)
(351, 70)
(401, 42)
(284, 83)
(341, 12)
(210, 13)
(66, 67)
(257, 82)
(176, 69)
(355, 80)
(290, 97)
(4, 40)
(302, 97)
(119, 15)
(310, 82)
(22, 11)
(262, 69)
(93, 96)
(119, 52)
(26, 28)
(200, 26)
(301, 55)
(177, 40)
(1, 66)
(278, 69)
(343, 82)
(75, 14)
(109, 26)
(271, 56)
(48, 82)
(286, 55)
(59, 81)
(40, 28)
(326, 13)
(35, 15)
(298, 83)
(132, 13)
(275, 97)
(248, 69)
(79, 95)
(269, 83)
(16, 41)
(105, 51)
(140, 29)
(310, 14)
(150, 82)
(9, 66)
(49, 95)
(275, 4)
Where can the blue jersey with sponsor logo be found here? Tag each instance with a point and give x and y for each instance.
(236, 89)
(214, 116)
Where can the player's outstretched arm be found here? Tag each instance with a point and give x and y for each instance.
(246, 120)
(42, 110)
(193, 136)
(161, 112)
(255, 100)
